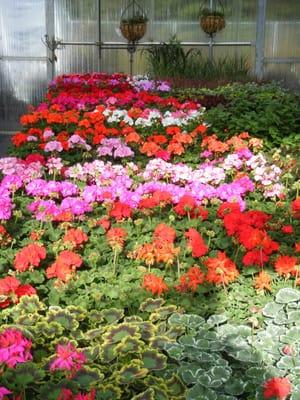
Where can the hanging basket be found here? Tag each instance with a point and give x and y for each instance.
(212, 23)
(133, 31)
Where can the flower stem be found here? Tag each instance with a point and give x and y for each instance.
(115, 262)
(178, 268)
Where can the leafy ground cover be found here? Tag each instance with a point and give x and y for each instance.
(266, 110)
(118, 190)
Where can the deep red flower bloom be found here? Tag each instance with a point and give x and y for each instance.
(279, 388)
(185, 205)
(228, 208)
(25, 290)
(295, 206)
(162, 197)
(35, 157)
(253, 238)
(287, 229)
(11, 288)
(255, 257)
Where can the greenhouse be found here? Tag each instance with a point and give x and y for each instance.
(149, 199)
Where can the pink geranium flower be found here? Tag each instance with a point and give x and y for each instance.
(67, 358)
(4, 392)
(14, 348)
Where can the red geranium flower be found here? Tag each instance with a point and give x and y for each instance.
(296, 208)
(76, 236)
(185, 205)
(227, 208)
(11, 288)
(104, 223)
(221, 270)
(277, 387)
(196, 243)
(120, 211)
(154, 284)
(35, 157)
(164, 233)
(65, 266)
(287, 229)
(30, 256)
(286, 265)
(116, 237)
(191, 280)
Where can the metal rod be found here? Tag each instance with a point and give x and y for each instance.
(145, 44)
(50, 31)
(23, 58)
(260, 39)
(99, 33)
(211, 48)
(295, 60)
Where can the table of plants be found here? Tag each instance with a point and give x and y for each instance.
(141, 257)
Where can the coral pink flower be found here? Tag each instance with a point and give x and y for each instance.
(30, 256)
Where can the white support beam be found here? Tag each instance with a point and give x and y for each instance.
(260, 39)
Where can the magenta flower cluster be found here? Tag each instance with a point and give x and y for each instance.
(14, 348)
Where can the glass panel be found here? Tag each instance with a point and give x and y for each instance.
(72, 59)
(76, 20)
(22, 25)
(15, 93)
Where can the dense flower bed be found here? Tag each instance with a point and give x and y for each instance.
(115, 191)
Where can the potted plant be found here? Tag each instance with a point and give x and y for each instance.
(134, 27)
(212, 20)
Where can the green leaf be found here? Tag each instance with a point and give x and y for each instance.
(216, 319)
(112, 315)
(235, 387)
(288, 363)
(198, 392)
(272, 309)
(87, 377)
(287, 295)
(23, 375)
(116, 334)
(192, 321)
(175, 351)
(131, 372)
(149, 394)
(153, 360)
(151, 305)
